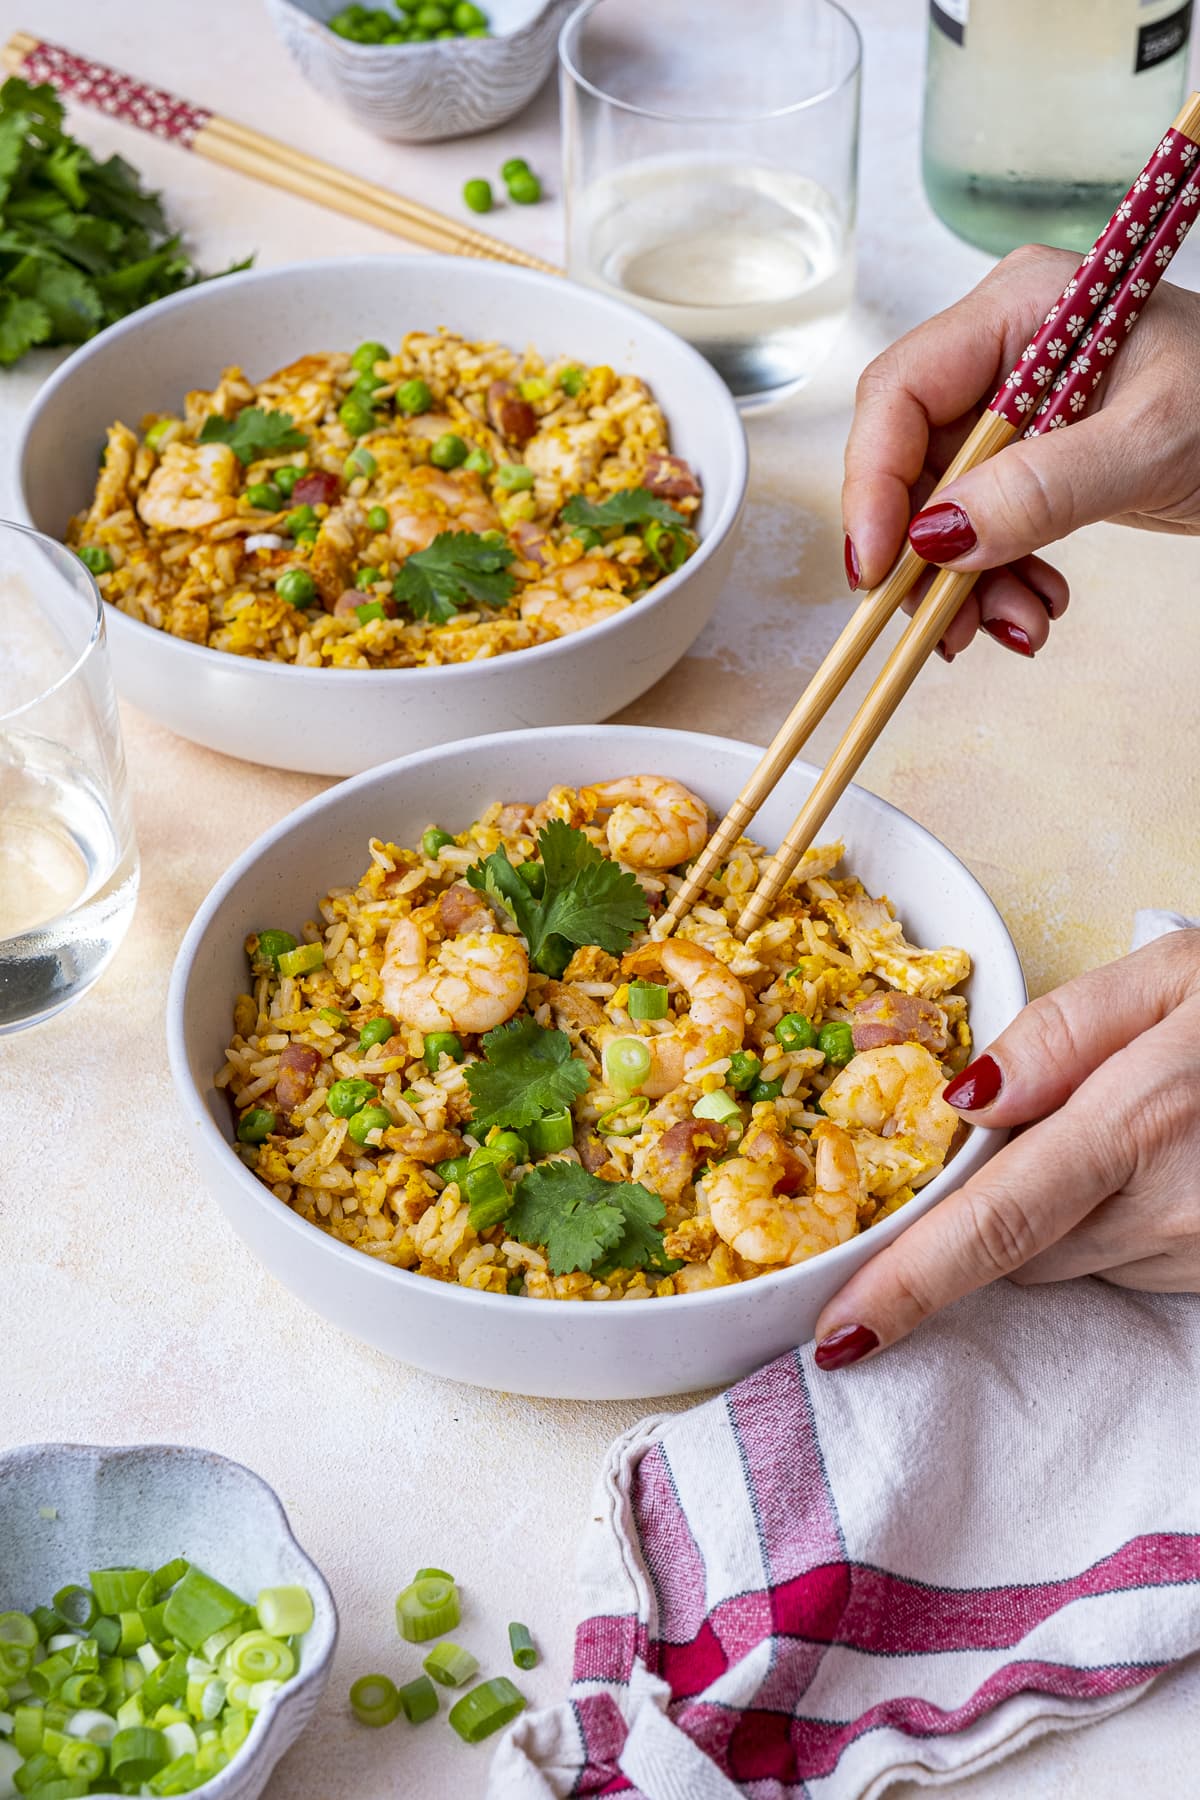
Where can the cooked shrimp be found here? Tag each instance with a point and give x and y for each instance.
(193, 486)
(654, 823)
(890, 1100)
(716, 1021)
(764, 1226)
(872, 932)
(575, 596)
(306, 387)
(474, 982)
(435, 500)
(569, 454)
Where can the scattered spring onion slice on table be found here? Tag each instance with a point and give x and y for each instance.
(418, 1700)
(524, 1650)
(451, 1664)
(374, 1700)
(427, 1608)
(486, 1708)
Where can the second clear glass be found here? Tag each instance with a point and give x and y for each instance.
(710, 175)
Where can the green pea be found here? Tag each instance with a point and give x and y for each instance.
(359, 462)
(795, 1032)
(434, 840)
(416, 36)
(286, 478)
(573, 381)
(507, 1149)
(478, 195)
(256, 1126)
(479, 463)
(744, 1068)
(376, 1031)
(468, 17)
(447, 32)
(367, 355)
(306, 536)
(95, 558)
(362, 1124)
(439, 1044)
(514, 477)
(264, 496)
(345, 1098)
(413, 397)
(836, 1039)
(448, 451)
(432, 17)
(516, 165)
(765, 1090)
(357, 415)
(273, 944)
(299, 519)
(297, 587)
(525, 188)
(377, 519)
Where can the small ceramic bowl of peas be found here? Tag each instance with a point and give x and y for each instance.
(417, 70)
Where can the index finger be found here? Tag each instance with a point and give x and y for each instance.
(929, 378)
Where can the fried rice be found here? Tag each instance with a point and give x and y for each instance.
(497, 444)
(797, 1119)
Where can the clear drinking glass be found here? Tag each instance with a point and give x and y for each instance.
(68, 860)
(710, 170)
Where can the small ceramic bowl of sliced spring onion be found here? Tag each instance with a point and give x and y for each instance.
(161, 1630)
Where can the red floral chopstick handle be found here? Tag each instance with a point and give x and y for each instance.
(109, 91)
(1100, 272)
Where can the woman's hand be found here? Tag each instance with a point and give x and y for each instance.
(1105, 1180)
(1135, 460)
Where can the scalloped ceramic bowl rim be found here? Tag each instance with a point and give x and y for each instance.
(350, 46)
(323, 1601)
(539, 657)
(472, 1300)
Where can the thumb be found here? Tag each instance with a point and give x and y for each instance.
(1056, 1042)
(1036, 490)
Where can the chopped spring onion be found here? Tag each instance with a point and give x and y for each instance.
(97, 1727)
(488, 1197)
(137, 1754)
(46, 1620)
(626, 1064)
(198, 1607)
(47, 1677)
(359, 462)
(554, 1131)
(374, 1700)
(486, 1708)
(625, 1119)
(78, 1606)
(647, 1000)
(83, 1690)
(272, 944)
(332, 1016)
(302, 960)
(257, 1656)
(720, 1106)
(524, 1650)
(107, 1634)
(432, 1574)
(82, 1758)
(19, 1628)
(28, 1724)
(418, 1700)
(505, 1148)
(369, 612)
(285, 1611)
(427, 1609)
(450, 1664)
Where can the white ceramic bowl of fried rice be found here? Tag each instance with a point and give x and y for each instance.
(339, 720)
(554, 1348)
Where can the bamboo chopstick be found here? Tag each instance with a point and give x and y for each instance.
(1035, 397)
(253, 153)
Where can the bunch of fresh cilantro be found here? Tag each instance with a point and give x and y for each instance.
(81, 242)
(583, 897)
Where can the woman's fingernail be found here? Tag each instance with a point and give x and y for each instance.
(844, 1346)
(1013, 637)
(947, 656)
(850, 558)
(976, 1087)
(942, 532)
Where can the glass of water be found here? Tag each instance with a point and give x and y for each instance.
(68, 860)
(710, 172)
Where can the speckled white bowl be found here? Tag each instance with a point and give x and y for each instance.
(338, 721)
(420, 92)
(142, 1505)
(556, 1348)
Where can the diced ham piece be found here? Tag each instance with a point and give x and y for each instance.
(298, 1066)
(670, 478)
(530, 540)
(764, 1145)
(513, 417)
(891, 1018)
(317, 488)
(670, 1163)
(461, 909)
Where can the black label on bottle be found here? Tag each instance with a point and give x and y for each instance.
(951, 17)
(1166, 37)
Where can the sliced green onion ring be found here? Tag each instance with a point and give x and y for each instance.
(427, 1609)
(627, 1063)
(486, 1708)
(451, 1664)
(285, 1611)
(624, 1119)
(374, 1700)
(524, 1650)
(418, 1700)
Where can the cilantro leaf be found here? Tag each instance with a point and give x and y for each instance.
(631, 506)
(457, 568)
(253, 433)
(529, 1070)
(557, 1204)
(69, 298)
(23, 323)
(587, 898)
(581, 1220)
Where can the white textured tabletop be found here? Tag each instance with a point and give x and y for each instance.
(131, 1313)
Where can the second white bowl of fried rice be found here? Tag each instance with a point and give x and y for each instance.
(344, 510)
(444, 1080)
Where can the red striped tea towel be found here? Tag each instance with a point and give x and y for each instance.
(816, 1585)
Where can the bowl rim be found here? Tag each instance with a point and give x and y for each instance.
(531, 24)
(196, 1110)
(538, 657)
(318, 1671)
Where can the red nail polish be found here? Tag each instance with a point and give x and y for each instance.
(947, 656)
(844, 1346)
(941, 533)
(850, 558)
(976, 1087)
(1013, 637)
